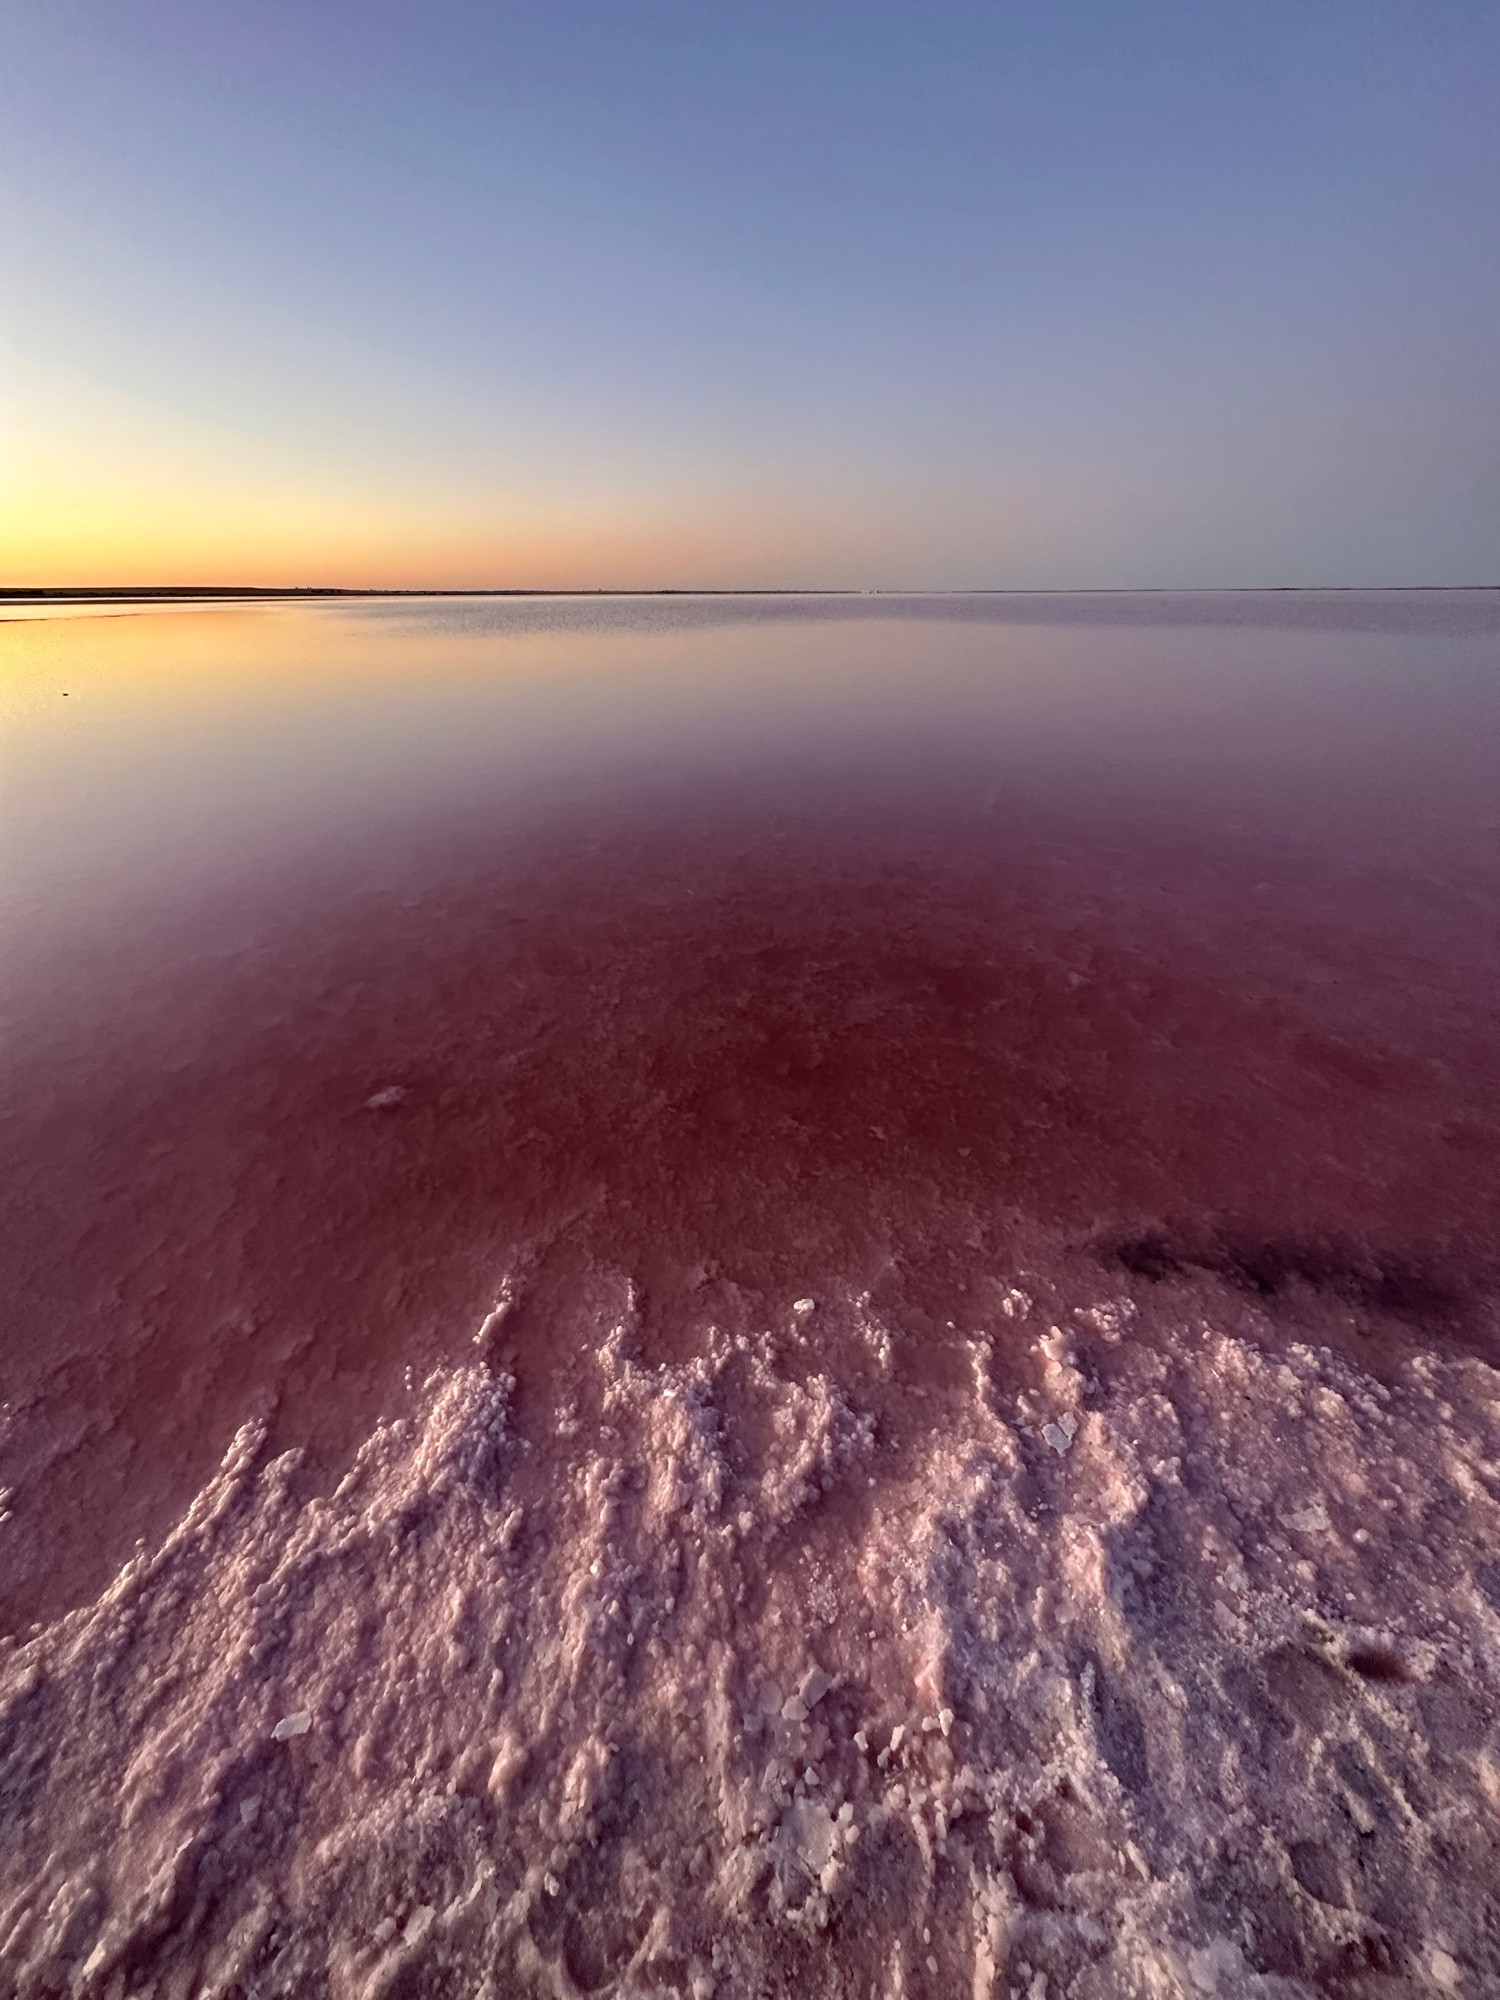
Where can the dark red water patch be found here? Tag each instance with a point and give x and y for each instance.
(731, 1060)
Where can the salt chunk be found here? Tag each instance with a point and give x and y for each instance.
(1068, 1422)
(551, 1884)
(815, 1684)
(419, 1923)
(1358, 1810)
(809, 1831)
(792, 1710)
(1309, 1520)
(1057, 1437)
(896, 1735)
(803, 1305)
(387, 1099)
(1445, 1969)
(945, 1720)
(293, 1725)
(248, 1809)
(493, 1320)
(385, 1930)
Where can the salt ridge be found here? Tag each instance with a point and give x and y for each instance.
(765, 1673)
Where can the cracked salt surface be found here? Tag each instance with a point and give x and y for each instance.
(507, 1713)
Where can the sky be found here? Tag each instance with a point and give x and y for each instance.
(682, 293)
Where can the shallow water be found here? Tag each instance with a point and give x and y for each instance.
(971, 968)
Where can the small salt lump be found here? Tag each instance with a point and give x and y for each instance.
(1445, 1969)
(1060, 1435)
(815, 1684)
(293, 1725)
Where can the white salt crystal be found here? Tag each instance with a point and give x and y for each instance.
(293, 1725)
(815, 1684)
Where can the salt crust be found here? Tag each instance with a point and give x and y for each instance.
(716, 1682)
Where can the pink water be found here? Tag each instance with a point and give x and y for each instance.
(845, 1037)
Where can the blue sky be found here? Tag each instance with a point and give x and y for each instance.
(926, 296)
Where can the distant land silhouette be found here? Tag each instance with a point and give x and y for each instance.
(189, 593)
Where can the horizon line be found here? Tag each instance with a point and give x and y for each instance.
(223, 593)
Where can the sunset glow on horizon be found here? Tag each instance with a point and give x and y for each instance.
(981, 296)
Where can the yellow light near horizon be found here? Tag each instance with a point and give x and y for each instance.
(98, 489)
(152, 530)
(83, 505)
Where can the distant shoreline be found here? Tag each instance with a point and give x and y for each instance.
(251, 594)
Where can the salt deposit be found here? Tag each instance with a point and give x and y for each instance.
(757, 1674)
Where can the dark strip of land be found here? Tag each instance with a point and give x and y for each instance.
(194, 593)
(238, 593)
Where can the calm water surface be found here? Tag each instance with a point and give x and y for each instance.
(360, 954)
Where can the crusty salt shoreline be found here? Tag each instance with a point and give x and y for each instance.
(770, 1672)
